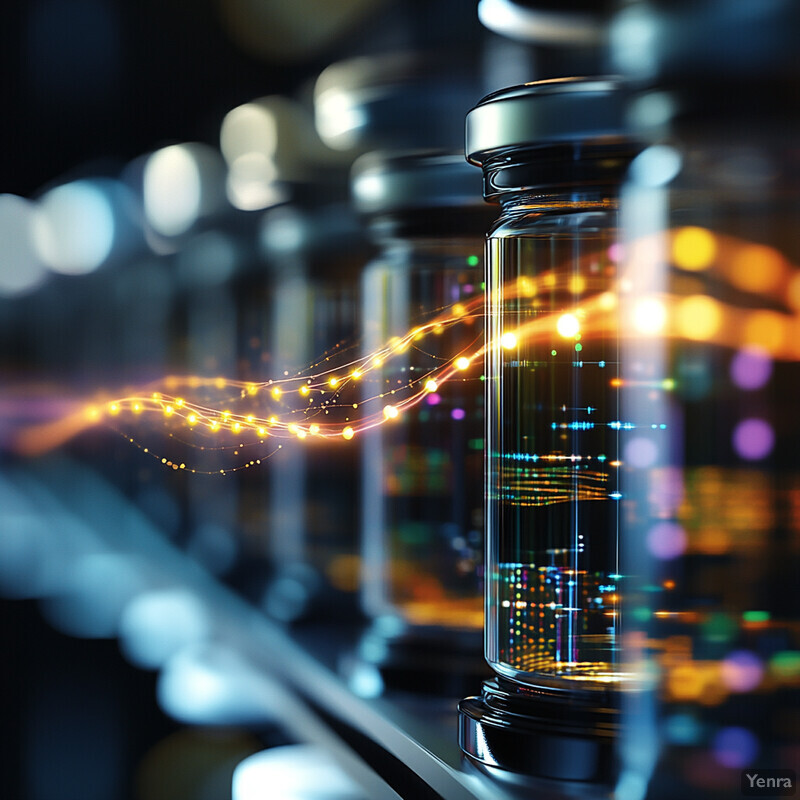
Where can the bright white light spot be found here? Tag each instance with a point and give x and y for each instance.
(172, 190)
(74, 228)
(508, 340)
(338, 118)
(568, 325)
(390, 412)
(293, 772)
(368, 188)
(462, 363)
(649, 316)
(21, 268)
(247, 129)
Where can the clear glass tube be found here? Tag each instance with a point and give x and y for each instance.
(423, 472)
(553, 441)
(714, 531)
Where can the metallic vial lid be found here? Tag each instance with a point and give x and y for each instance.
(556, 111)
(385, 183)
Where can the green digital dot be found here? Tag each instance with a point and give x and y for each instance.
(786, 663)
(483, 285)
(756, 616)
(719, 627)
(578, 347)
(553, 353)
(472, 261)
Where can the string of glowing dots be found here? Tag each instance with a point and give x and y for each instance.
(697, 317)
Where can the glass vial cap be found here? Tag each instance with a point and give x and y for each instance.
(555, 111)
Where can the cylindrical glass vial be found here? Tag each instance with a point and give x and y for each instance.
(316, 254)
(710, 213)
(553, 154)
(422, 497)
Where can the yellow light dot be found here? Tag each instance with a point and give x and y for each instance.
(252, 389)
(179, 401)
(169, 411)
(649, 315)
(276, 392)
(348, 433)
(508, 340)
(301, 434)
(292, 428)
(526, 287)
(226, 414)
(137, 409)
(214, 425)
(272, 420)
(236, 427)
(462, 363)
(304, 390)
(431, 386)
(757, 268)
(250, 417)
(377, 361)
(577, 284)
(568, 325)
(355, 374)
(693, 248)
(113, 409)
(698, 317)
(459, 310)
(314, 429)
(262, 431)
(93, 413)
(390, 412)
(192, 419)
(220, 383)
(333, 383)
(607, 301)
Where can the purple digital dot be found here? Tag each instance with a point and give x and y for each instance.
(468, 288)
(667, 540)
(433, 399)
(742, 671)
(751, 368)
(615, 252)
(753, 439)
(641, 452)
(735, 747)
(458, 413)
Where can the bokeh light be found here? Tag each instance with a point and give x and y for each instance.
(742, 671)
(693, 248)
(74, 228)
(667, 540)
(751, 368)
(753, 439)
(698, 317)
(735, 747)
